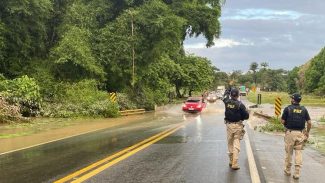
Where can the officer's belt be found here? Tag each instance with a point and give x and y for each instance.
(290, 130)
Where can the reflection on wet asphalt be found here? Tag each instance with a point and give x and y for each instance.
(196, 153)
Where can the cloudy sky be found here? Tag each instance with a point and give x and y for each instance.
(284, 33)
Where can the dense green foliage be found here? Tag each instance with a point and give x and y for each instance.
(265, 78)
(293, 80)
(22, 91)
(81, 99)
(309, 78)
(80, 49)
(315, 75)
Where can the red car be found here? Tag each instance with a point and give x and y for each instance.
(194, 104)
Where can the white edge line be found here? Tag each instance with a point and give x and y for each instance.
(251, 160)
(63, 138)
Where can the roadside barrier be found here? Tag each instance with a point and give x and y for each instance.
(132, 112)
(277, 106)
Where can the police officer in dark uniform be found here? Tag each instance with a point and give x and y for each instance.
(235, 114)
(294, 118)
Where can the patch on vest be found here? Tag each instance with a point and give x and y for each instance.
(230, 106)
(297, 111)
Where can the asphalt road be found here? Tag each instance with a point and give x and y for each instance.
(196, 151)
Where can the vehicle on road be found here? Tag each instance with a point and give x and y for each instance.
(212, 97)
(194, 104)
(221, 89)
(242, 91)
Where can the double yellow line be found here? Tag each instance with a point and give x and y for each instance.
(97, 167)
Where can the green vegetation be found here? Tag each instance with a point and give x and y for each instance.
(309, 78)
(37, 125)
(265, 78)
(269, 97)
(317, 139)
(322, 120)
(9, 113)
(273, 125)
(81, 99)
(24, 92)
(61, 58)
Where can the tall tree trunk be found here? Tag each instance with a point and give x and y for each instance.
(178, 93)
(190, 93)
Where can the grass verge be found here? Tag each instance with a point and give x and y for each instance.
(34, 126)
(273, 125)
(322, 120)
(269, 97)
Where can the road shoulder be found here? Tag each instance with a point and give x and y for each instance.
(48, 136)
(270, 152)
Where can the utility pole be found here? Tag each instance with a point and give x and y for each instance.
(133, 51)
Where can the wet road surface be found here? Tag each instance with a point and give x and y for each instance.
(195, 153)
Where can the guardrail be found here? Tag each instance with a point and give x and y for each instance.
(132, 112)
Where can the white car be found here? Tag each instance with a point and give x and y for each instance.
(212, 97)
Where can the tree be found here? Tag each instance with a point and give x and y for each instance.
(25, 33)
(234, 77)
(246, 79)
(200, 73)
(73, 57)
(66, 41)
(265, 65)
(315, 74)
(293, 80)
(253, 67)
(275, 80)
(157, 32)
(161, 75)
(2, 42)
(202, 18)
(220, 78)
(197, 75)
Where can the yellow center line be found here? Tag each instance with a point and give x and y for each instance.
(105, 166)
(98, 163)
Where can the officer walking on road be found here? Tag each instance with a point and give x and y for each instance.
(294, 118)
(235, 114)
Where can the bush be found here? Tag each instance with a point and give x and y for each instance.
(322, 119)
(124, 102)
(24, 92)
(50, 88)
(274, 125)
(82, 99)
(9, 113)
(143, 97)
(147, 98)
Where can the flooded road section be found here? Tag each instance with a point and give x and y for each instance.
(54, 160)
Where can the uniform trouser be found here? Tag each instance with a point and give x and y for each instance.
(294, 141)
(234, 133)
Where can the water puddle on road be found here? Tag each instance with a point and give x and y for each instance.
(173, 140)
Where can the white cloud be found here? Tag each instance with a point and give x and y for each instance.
(262, 14)
(220, 43)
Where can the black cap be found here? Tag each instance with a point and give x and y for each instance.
(297, 97)
(234, 92)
